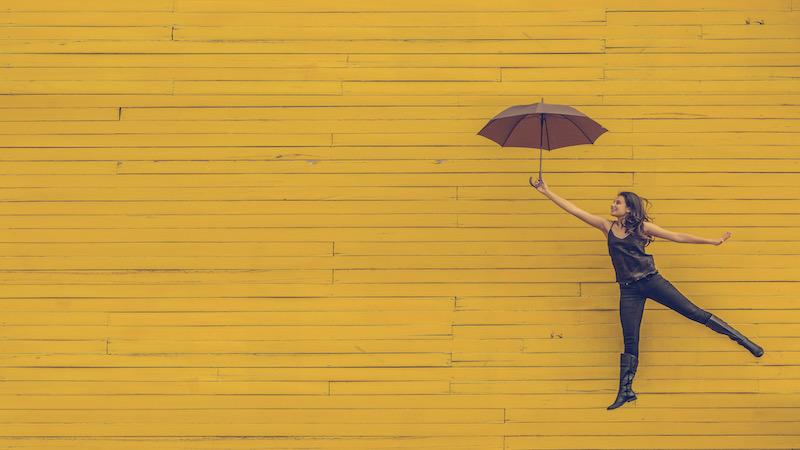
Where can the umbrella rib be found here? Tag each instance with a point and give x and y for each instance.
(512, 130)
(578, 127)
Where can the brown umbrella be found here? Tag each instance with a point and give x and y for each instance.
(542, 125)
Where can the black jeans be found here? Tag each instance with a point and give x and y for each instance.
(632, 298)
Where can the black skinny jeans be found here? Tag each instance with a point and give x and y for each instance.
(631, 306)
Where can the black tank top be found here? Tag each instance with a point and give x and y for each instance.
(628, 257)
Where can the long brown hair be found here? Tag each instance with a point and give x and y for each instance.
(635, 219)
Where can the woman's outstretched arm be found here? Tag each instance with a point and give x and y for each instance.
(592, 219)
(655, 230)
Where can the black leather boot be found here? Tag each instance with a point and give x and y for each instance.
(718, 325)
(627, 370)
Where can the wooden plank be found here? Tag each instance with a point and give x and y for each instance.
(781, 45)
(695, 125)
(282, 74)
(308, 47)
(559, 401)
(311, 153)
(354, 5)
(126, 33)
(594, 16)
(46, 7)
(781, 15)
(551, 31)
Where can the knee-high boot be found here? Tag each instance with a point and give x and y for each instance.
(718, 325)
(627, 370)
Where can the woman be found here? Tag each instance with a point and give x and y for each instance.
(639, 279)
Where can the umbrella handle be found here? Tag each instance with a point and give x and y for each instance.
(540, 163)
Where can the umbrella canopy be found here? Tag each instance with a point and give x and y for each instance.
(545, 126)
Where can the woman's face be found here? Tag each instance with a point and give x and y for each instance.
(618, 207)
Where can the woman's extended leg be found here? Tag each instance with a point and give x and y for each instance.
(661, 290)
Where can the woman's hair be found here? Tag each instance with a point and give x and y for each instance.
(637, 216)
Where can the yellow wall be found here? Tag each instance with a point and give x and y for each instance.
(274, 220)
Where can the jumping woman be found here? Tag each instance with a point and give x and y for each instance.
(638, 278)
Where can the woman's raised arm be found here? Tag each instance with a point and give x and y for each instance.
(592, 219)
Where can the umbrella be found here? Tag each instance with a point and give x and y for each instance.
(542, 125)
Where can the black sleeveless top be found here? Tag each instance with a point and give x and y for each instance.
(629, 258)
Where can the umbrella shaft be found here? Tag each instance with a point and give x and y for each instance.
(540, 164)
(541, 135)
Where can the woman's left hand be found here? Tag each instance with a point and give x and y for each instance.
(724, 238)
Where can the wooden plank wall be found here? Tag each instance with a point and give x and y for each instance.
(264, 224)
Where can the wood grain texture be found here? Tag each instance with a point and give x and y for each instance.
(263, 224)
